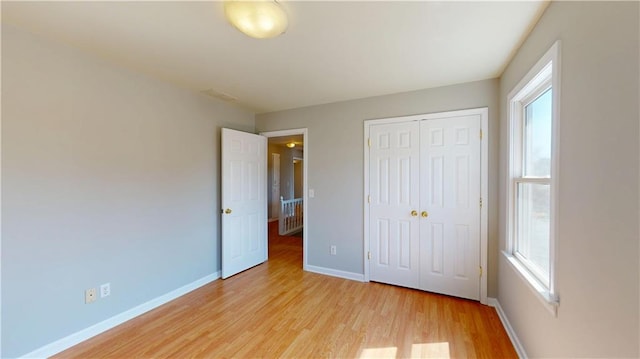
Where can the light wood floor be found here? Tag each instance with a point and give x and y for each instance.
(277, 310)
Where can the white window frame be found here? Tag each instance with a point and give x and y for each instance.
(543, 75)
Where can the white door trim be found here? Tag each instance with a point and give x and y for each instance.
(484, 186)
(305, 186)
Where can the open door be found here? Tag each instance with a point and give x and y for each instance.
(244, 201)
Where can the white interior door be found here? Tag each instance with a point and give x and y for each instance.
(244, 201)
(450, 195)
(394, 190)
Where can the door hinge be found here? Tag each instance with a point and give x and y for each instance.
(369, 199)
(480, 202)
(480, 271)
(480, 133)
(368, 255)
(369, 141)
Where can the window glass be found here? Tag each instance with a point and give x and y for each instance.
(533, 219)
(537, 137)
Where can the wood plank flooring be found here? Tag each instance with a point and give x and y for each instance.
(277, 310)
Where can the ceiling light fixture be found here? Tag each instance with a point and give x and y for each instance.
(258, 19)
(291, 144)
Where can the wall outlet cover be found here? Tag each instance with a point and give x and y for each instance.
(90, 295)
(105, 290)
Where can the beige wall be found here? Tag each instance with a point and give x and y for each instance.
(336, 154)
(597, 244)
(273, 149)
(298, 178)
(107, 176)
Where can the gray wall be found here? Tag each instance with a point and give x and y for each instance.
(336, 165)
(107, 176)
(597, 270)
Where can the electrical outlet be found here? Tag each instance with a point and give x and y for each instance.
(105, 290)
(333, 250)
(90, 295)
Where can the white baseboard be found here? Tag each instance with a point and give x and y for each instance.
(507, 326)
(335, 273)
(84, 334)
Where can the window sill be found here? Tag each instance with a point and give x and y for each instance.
(549, 301)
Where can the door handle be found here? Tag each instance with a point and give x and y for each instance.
(425, 214)
(414, 213)
(227, 211)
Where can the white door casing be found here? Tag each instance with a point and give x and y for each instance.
(244, 201)
(450, 196)
(453, 179)
(394, 191)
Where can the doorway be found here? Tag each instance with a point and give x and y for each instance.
(293, 192)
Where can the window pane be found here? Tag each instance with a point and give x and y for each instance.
(537, 137)
(533, 213)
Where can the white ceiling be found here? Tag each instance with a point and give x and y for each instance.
(332, 51)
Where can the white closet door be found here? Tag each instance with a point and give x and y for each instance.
(394, 188)
(450, 194)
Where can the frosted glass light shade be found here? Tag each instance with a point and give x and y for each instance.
(258, 19)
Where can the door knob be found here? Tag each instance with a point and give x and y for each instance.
(424, 214)
(414, 213)
(227, 211)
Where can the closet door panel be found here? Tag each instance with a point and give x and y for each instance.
(394, 187)
(450, 194)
